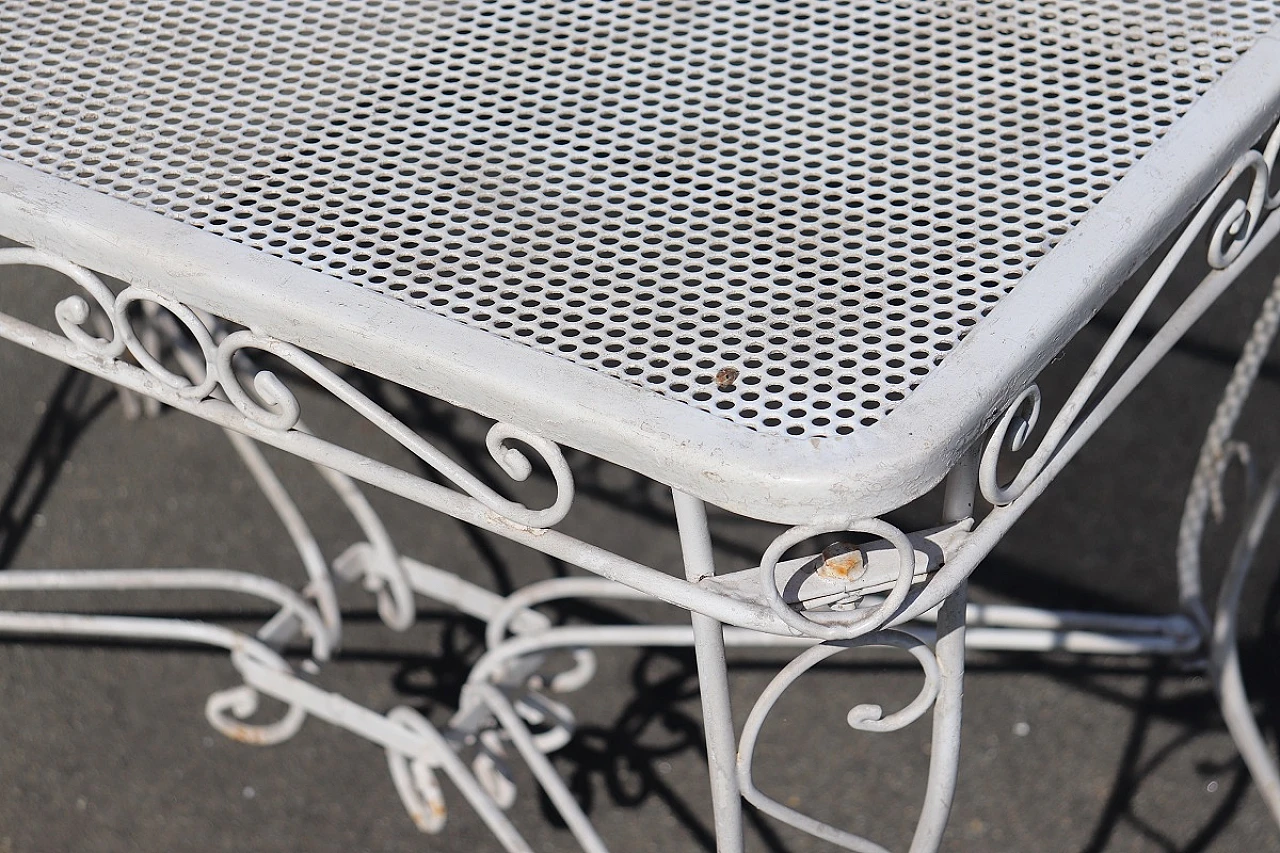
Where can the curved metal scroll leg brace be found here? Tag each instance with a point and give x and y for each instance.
(713, 679)
(1216, 454)
(1205, 495)
(386, 577)
(1224, 661)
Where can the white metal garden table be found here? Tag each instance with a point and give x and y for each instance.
(801, 260)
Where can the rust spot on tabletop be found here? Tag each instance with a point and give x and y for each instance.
(725, 377)
(841, 561)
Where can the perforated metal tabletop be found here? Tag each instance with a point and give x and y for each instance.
(784, 214)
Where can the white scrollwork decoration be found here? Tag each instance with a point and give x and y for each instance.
(281, 411)
(867, 718)
(1229, 235)
(183, 385)
(272, 405)
(841, 625)
(228, 709)
(414, 778)
(72, 312)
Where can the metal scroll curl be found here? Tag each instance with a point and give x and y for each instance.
(227, 710)
(73, 312)
(1228, 237)
(272, 405)
(843, 625)
(415, 778)
(279, 410)
(867, 718)
(185, 386)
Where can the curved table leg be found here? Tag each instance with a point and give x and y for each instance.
(1224, 660)
(1216, 454)
(944, 756)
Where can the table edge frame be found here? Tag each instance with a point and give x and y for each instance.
(766, 476)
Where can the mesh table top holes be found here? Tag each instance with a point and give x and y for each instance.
(823, 196)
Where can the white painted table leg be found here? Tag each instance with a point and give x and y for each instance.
(713, 680)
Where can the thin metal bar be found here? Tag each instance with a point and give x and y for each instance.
(425, 740)
(994, 526)
(48, 580)
(944, 760)
(1074, 642)
(990, 627)
(406, 485)
(713, 678)
(129, 628)
(1224, 657)
(397, 607)
(579, 824)
(296, 526)
(635, 636)
(1017, 616)
(961, 489)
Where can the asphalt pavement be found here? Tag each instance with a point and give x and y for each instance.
(105, 746)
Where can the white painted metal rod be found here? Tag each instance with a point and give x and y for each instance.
(171, 579)
(993, 528)
(594, 559)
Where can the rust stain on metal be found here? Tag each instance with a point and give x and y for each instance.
(425, 823)
(725, 377)
(432, 823)
(251, 735)
(841, 561)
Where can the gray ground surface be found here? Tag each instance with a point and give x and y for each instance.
(105, 747)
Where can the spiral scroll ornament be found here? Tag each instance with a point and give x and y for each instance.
(866, 718)
(846, 624)
(1229, 235)
(271, 405)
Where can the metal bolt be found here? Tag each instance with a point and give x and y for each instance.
(842, 561)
